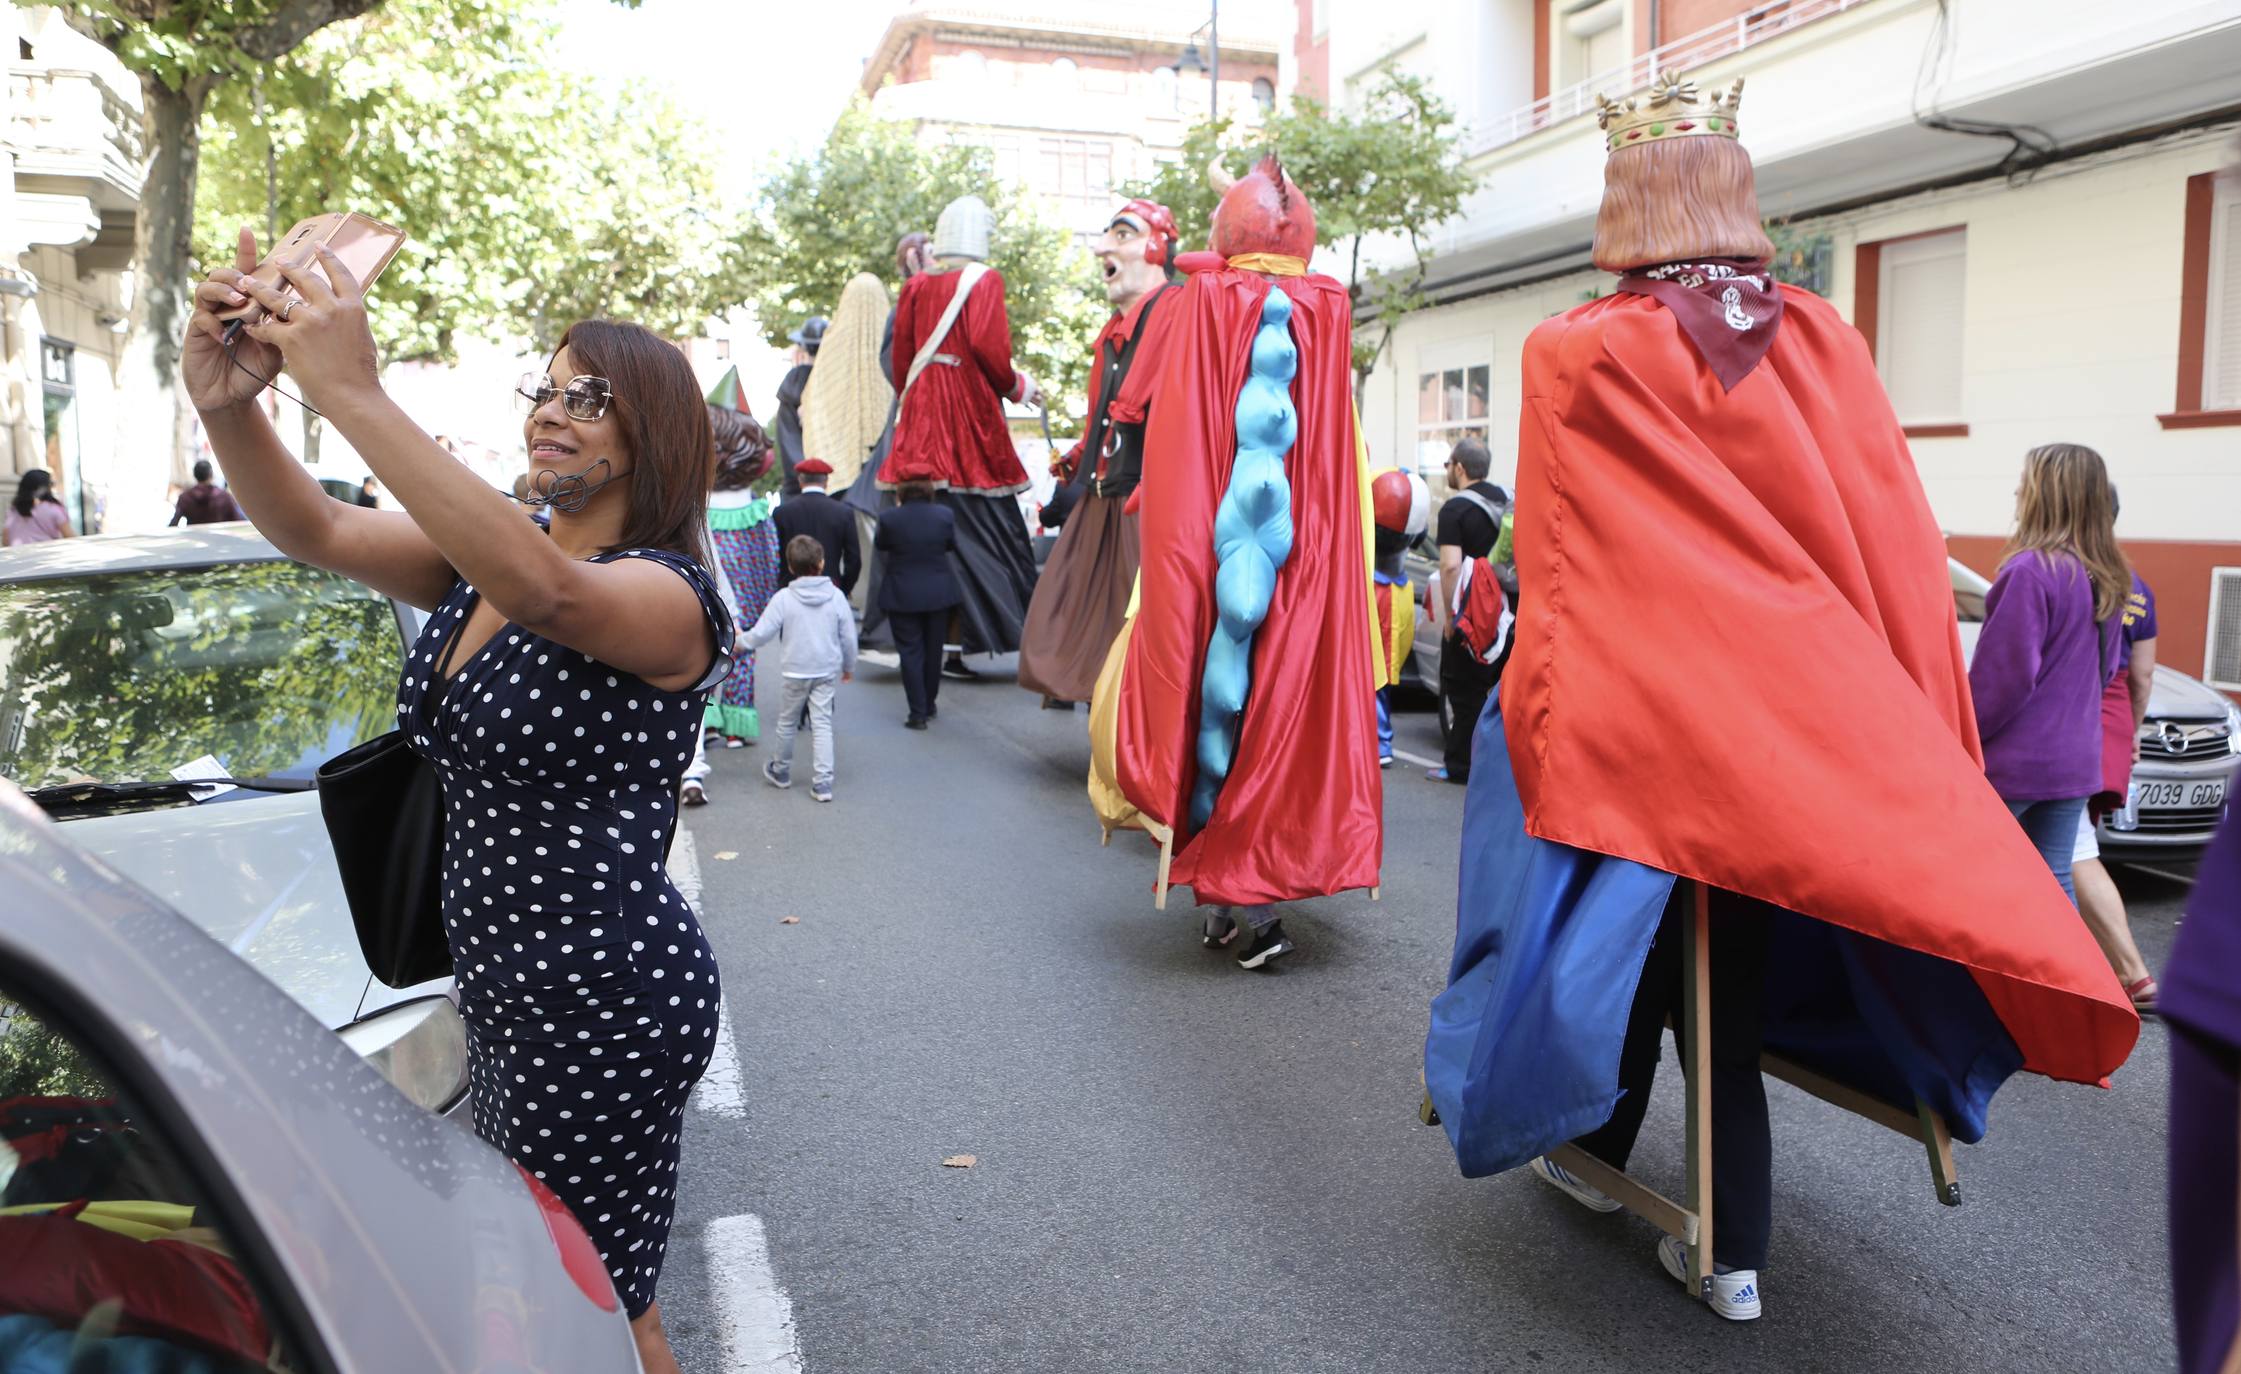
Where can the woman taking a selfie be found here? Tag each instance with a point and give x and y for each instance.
(556, 692)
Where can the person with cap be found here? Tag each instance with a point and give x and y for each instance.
(791, 388)
(1081, 598)
(952, 365)
(824, 519)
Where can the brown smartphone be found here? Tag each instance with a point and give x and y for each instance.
(364, 244)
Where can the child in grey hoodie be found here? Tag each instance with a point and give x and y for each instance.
(812, 621)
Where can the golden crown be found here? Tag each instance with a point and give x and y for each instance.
(1671, 108)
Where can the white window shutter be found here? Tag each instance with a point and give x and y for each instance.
(2221, 381)
(1919, 326)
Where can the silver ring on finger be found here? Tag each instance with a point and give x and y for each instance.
(287, 307)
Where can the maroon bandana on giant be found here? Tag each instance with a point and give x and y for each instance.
(1729, 308)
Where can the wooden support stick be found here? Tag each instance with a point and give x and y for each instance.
(1696, 1010)
(1921, 1124)
(1939, 1141)
(1639, 1198)
(1166, 856)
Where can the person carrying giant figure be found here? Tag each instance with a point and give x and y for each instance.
(1237, 712)
(1082, 595)
(952, 365)
(1773, 733)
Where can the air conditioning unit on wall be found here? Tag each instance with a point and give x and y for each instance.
(2221, 649)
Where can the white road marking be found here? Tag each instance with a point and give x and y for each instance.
(881, 657)
(1418, 759)
(752, 1311)
(722, 1088)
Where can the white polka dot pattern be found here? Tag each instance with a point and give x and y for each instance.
(589, 992)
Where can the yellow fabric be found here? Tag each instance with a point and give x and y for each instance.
(1274, 264)
(1378, 666)
(1113, 809)
(1403, 637)
(134, 1220)
(844, 407)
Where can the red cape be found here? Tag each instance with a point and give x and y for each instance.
(1301, 814)
(1737, 661)
(951, 429)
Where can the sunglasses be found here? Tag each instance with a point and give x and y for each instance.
(584, 398)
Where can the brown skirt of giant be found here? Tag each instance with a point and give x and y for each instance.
(1080, 600)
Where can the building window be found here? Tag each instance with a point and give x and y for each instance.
(58, 366)
(1590, 37)
(1165, 95)
(1078, 172)
(1453, 399)
(1909, 308)
(1264, 93)
(2209, 389)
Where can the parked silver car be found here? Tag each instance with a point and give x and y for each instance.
(2190, 745)
(196, 1175)
(132, 665)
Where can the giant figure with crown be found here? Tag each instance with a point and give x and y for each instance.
(1778, 715)
(1238, 710)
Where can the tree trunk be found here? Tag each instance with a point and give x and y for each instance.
(155, 425)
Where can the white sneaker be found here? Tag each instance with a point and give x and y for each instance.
(1735, 1293)
(1593, 1199)
(693, 793)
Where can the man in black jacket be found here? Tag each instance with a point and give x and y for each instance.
(829, 522)
(790, 391)
(918, 589)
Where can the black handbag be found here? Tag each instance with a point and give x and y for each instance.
(385, 816)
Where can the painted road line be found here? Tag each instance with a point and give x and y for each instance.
(722, 1088)
(753, 1313)
(1418, 759)
(881, 657)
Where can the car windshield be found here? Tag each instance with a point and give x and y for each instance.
(1968, 593)
(268, 668)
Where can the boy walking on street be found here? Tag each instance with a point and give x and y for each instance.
(811, 618)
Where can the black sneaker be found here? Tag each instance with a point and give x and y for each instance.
(914, 722)
(954, 666)
(1220, 929)
(1268, 945)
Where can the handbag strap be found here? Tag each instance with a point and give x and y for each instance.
(967, 278)
(450, 643)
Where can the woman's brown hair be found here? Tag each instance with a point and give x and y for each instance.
(665, 423)
(742, 449)
(2066, 506)
(1679, 200)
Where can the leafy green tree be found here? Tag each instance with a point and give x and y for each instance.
(534, 198)
(1390, 169)
(824, 217)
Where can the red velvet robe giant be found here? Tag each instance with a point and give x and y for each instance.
(951, 431)
(1737, 661)
(1301, 814)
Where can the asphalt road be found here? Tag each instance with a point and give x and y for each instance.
(1184, 1167)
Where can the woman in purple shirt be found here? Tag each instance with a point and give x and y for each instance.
(35, 516)
(2038, 672)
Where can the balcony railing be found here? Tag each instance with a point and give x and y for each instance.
(1755, 25)
(73, 114)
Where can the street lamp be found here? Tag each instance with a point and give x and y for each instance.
(1192, 64)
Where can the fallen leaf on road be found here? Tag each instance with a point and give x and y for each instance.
(960, 1162)
(789, 920)
(727, 853)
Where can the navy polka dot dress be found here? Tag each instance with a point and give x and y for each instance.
(589, 993)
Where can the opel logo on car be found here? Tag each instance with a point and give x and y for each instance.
(2174, 738)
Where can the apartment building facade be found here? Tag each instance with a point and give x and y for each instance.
(1074, 99)
(2030, 208)
(71, 167)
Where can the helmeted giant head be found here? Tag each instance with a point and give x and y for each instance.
(1264, 212)
(1134, 251)
(1400, 507)
(962, 232)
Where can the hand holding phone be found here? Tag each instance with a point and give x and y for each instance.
(364, 245)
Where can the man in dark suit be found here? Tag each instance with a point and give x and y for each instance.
(918, 589)
(829, 522)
